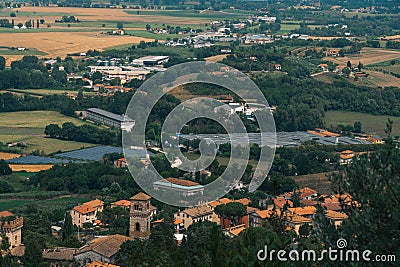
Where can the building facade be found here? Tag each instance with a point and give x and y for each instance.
(11, 227)
(140, 216)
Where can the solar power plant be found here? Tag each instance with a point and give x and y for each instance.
(37, 160)
(92, 153)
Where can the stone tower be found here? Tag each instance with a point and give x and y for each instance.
(140, 216)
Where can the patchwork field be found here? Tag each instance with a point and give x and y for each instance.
(367, 56)
(370, 123)
(29, 127)
(62, 43)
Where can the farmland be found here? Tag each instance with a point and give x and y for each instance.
(29, 127)
(30, 167)
(370, 123)
(60, 43)
(67, 201)
(367, 56)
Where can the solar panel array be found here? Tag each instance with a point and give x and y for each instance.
(37, 160)
(92, 153)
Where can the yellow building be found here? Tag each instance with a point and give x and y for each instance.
(87, 212)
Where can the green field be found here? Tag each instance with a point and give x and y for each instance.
(33, 52)
(190, 14)
(28, 127)
(370, 123)
(289, 27)
(50, 92)
(146, 34)
(52, 204)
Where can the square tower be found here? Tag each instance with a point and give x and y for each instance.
(140, 216)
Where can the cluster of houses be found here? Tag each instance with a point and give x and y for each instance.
(294, 209)
(281, 207)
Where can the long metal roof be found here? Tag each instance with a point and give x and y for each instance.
(107, 114)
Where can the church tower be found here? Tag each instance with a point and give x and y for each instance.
(140, 216)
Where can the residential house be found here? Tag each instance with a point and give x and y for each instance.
(196, 214)
(374, 139)
(120, 163)
(125, 204)
(101, 249)
(278, 67)
(324, 67)
(259, 217)
(335, 217)
(87, 212)
(346, 157)
(304, 193)
(294, 221)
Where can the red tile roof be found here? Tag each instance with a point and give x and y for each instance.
(6, 213)
(181, 182)
(141, 196)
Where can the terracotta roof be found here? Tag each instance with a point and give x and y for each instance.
(297, 219)
(122, 203)
(307, 202)
(303, 192)
(84, 209)
(106, 246)
(251, 209)
(334, 215)
(181, 182)
(94, 203)
(244, 201)
(332, 206)
(198, 211)
(347, 152)
(6, 213)
(59, 253)
(264, 214)
(345, 156)
(236, 230)
(122, 159)
(141, 196)
(100, 264)
(281, 201)
(307, 210)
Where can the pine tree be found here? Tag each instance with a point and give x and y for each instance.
(68, 229)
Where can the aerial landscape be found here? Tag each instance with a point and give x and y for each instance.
(79, 187)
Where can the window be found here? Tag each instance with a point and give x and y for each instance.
(137, 227)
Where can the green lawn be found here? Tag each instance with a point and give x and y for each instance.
(50, 204)
(190, 14)
(289, 27)
(51, 91)
(33, 52)
(370, 123)
(28, 127)
(146, 34)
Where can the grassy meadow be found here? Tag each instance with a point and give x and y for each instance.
(28, 127)
(370, 123)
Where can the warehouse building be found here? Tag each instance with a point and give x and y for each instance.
(108, 118)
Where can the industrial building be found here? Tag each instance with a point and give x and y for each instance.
(108, 118)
